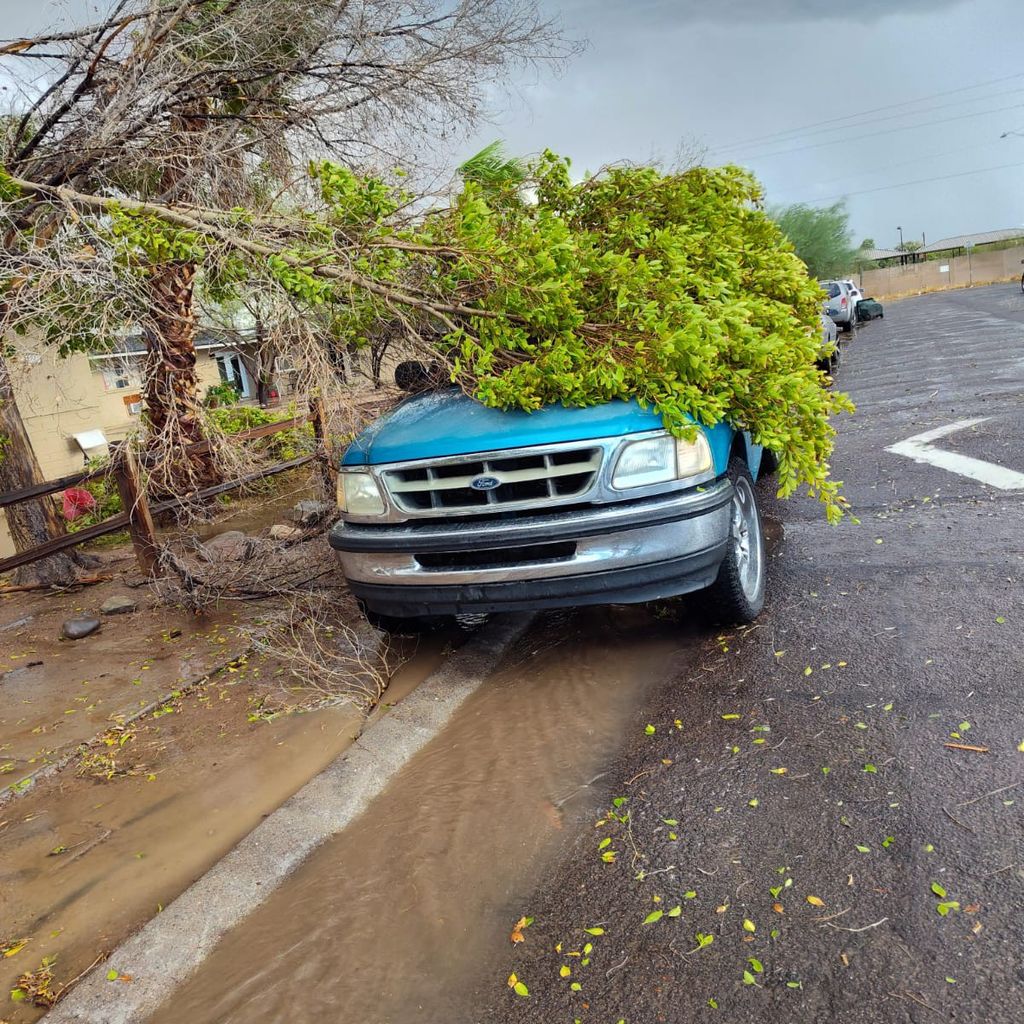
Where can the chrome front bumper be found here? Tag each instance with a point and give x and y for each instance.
(626, 551)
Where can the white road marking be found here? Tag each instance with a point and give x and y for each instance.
(920, 449)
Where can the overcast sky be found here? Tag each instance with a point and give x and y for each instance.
(658, 74)
(751, 81)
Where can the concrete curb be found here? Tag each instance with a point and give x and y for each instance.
(173, 944)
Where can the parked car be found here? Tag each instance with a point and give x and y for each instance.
(451, 508)
(841, 303)
(854, 289)
(870, 309)
(828, 352)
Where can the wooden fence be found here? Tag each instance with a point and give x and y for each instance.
(139, 512)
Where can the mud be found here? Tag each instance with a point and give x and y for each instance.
(380, 923)
(56, 694)
(85, 861)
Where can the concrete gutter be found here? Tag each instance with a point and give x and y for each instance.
(173, 944)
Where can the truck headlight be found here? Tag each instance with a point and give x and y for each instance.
(359, 495)
(658, 460)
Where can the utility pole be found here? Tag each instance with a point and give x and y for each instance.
(903, 252)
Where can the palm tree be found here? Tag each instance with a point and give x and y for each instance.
(495, 171)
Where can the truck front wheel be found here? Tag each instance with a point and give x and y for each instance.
(737, 595)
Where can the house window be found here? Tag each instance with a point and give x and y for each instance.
(120, 375)
(232, 371)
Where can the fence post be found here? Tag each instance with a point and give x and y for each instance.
(133, 501)
(318, 417)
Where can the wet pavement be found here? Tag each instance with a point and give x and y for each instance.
(840, 822)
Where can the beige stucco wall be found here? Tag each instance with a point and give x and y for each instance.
(59, 398)
(978, 268)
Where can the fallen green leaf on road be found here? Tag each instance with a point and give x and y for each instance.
(515, 984)
(756, 964)
(748, 978)
(654, 915)
(938, 890)
(649, 730)
(675, 911)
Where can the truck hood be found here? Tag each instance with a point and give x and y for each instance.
(442, 423)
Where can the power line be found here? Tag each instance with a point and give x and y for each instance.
(905, 113)
(919, 181)
(916, 160)
(865, 113)
(886, 131)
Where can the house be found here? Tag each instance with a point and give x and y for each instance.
(74, 408)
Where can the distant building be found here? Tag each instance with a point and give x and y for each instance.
(957, 245)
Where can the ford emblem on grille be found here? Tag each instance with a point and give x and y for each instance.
(485, 483)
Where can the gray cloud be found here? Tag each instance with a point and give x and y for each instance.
(692, 11)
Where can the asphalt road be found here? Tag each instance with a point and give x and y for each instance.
(799, 798)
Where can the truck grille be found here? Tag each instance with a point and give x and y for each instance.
(446, 486)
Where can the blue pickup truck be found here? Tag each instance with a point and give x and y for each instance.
(452, 508)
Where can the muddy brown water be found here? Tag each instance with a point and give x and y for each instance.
(130, 846)
(389, 921)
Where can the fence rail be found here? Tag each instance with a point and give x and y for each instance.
(139, 511)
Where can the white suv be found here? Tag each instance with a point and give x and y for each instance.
(841, 305)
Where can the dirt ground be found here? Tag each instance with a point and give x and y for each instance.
(107, 815)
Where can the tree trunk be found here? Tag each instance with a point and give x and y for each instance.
(31, 522)
(173, 411)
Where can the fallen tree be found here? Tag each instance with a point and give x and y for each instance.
(672, 288)
(675, 289)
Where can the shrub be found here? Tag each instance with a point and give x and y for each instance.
(280, 447)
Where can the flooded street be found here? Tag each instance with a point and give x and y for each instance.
(392, 919)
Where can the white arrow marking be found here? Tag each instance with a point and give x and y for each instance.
(919, 448)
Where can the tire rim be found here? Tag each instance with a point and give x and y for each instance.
(746, 537)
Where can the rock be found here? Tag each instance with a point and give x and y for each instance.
(119, 604)
(79, 626)
(309, 512)
(282, 531)
(232, 544)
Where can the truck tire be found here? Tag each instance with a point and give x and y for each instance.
(737, 595)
